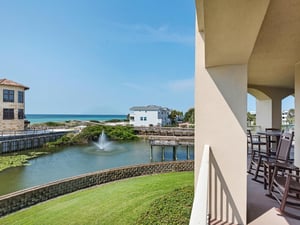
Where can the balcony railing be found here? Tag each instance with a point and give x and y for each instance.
(200, 212)
(213, 202)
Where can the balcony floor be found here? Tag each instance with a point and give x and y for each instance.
(262, 209)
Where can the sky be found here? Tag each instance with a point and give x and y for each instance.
(99, 56)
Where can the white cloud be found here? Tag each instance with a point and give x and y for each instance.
(181, 85)
(162, 33)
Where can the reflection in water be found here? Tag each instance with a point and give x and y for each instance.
(75, 160)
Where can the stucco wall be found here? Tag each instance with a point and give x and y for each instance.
(28, 197)
(14, 124)
(152, 118)
(220, 122)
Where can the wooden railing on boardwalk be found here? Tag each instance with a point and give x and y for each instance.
(27, 140)
(164, 131)
(171, 140)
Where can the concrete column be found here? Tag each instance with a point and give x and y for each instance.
(220, 118)
(297, 115)
(276, 111)
(268, 112)
(264, 113)
(268, 105)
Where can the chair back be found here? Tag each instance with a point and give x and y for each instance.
(250, 140)
(284, 147)
(249, 136)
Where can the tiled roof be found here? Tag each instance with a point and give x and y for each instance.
(148, 108)
(12, 83)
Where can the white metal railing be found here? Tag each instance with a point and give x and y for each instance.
(200, 214)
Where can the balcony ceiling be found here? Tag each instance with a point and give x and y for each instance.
(263, 33)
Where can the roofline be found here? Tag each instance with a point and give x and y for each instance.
(6, 82)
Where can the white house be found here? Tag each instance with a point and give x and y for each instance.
(284, 116)
(150, 115)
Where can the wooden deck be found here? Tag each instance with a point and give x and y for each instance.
(171, 141)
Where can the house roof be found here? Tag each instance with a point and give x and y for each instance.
(12, 83)
(148, 108)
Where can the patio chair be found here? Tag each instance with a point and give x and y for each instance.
(265, 161)
(255, 144)
(272, 142)
(285, 188)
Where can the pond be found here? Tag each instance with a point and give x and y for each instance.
(76, 160)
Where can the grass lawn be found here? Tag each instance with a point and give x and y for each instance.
(123, 202)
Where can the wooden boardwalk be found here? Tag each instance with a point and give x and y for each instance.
(12, 143)
(171, 141)
(165, 131)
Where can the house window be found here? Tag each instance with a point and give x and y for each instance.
(21, 96)
(21, 114)
(8, 114)
(145, 118)
(8, 95)
(141, 118)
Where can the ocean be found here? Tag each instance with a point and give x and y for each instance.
(42, 118)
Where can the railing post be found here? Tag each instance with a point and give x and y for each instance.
(200, 214)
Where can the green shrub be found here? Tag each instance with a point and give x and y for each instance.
(91, 133)
(67, 139)
(53, 124)
(115, 133)
(94, 121)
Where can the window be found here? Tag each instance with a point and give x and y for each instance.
(21, 96)
(145, 118)
(8, 95)
(141, 118)
(21, 114)
(8, 114)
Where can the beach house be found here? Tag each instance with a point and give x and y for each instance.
(241, 47)
(150, 115)
(12, 107)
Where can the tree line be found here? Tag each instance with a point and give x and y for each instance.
(178, 116)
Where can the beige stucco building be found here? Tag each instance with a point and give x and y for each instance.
(12, 107)
(241, 47)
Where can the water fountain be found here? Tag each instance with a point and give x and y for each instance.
(102, 141)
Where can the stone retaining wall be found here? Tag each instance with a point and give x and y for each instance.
(21, 199)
